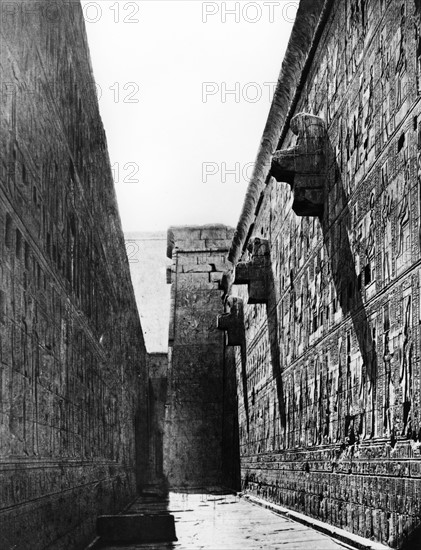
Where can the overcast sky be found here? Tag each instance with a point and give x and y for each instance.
(181, 145)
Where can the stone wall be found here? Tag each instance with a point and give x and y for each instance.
(72, 358)
(157, 367)
(231, 475)
(329, 384)
(193, 446)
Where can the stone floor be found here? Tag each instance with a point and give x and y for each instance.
(227, 522)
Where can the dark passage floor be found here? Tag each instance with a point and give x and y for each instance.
(227, 522)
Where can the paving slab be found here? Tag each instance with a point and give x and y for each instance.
(228, 522)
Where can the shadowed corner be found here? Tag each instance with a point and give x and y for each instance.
(243, 351)
(412, 542)
(232, 322)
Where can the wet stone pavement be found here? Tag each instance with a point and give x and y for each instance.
(227, 522)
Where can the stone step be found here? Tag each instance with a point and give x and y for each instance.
(136, 528)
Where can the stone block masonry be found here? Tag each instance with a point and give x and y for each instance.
(72, 358)
(329, 407)
(198, 436)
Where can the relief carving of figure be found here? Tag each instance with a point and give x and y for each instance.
(309, 407)
(348, 383)
(370, 111)
(299, 409)
(401, 64)
(315, 407)
(405, 373)
(371, 231)
(368, 388)
(320, 407)
(358, 14)
(389, 392)
(299, 317)
(329, 406)
(348, 144)
(385, 86)
(359, 127)
(333, 435)
(339, 387)
(370, 100)
(403, 215)
(387, 207)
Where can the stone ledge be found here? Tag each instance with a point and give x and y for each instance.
(354, 541)
(136, 528)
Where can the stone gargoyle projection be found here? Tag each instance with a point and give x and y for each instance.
(225, 284)
(256, 272)
(303, 166)
(233, 321)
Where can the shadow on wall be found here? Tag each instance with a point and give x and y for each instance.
(258, 275)
(232, 321)
(308, 166)
(348, 286)
(413, 541)
(230, 428)
(273, 328)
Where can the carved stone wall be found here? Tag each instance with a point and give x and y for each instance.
(330, 414)
(195, 424)
(72, 358)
